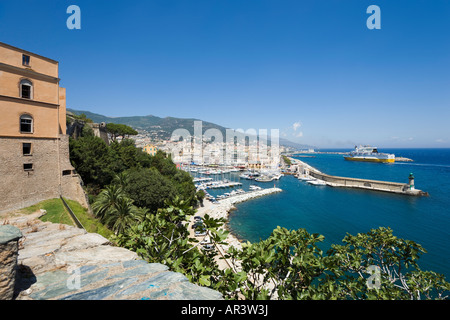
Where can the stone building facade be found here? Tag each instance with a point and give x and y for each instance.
(34, 147)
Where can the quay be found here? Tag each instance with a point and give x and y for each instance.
(248, 196)
(376, 185)
(306, 172)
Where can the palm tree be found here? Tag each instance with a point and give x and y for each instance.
(107, 200)
(123, 214)
(121, 179)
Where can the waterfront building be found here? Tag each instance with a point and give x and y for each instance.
(34, 158)
(150, 149)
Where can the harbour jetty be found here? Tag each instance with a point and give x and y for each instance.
(248, 195)
(311, 174)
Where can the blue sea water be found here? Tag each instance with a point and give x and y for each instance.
(334, 212)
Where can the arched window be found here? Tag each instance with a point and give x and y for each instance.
(26, 124)
(26, 89)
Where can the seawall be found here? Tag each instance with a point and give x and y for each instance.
(367, 184)
(386, 186)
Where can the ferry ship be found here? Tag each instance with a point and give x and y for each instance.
(368, 153)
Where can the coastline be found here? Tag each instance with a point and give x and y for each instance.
(222, 209)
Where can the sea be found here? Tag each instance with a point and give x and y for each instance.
(334, 212)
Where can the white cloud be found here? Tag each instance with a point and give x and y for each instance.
(440, 140)
(296, 125)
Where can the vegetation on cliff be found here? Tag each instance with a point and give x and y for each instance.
(148, 203)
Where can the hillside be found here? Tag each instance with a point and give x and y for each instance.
(164, 127)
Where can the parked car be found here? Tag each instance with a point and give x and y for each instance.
(197, 225)
(208, 247)
(200, 233)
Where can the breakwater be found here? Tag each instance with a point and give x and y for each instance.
(386, 186)
(249, 195)
(224, 206)
(305, 170)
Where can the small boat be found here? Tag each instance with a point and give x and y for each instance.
(263, 179)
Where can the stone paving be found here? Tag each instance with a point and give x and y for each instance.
(60, 262)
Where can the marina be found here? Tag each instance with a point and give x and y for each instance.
(214, 181)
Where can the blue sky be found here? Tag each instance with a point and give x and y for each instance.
(309, 68)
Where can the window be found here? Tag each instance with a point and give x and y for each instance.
(27, 166)
(26, 149)
(26, 89)
(25, 60)
(67, 172)
(26, 124)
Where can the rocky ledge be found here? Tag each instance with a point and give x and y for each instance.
(60, 262)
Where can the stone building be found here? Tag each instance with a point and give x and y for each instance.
(34, 147)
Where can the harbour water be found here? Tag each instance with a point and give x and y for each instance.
(333, 212)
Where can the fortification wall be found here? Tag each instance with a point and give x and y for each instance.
(50, 176)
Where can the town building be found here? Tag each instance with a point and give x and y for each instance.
(150, 149)
(34, 147)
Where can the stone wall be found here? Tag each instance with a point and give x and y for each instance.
(9, 251)
(60, 262)
(71, 183)
(52, 174)
(100, 131)
(20, 188)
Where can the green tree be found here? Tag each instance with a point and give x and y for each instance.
(290, 265)
(121, 179)
(116, 210)
(283, 266)
(120, 130)
(163, 164)
(164, 238)
(200, 196)
(149, 188)
(396, 259)
(93, 160)
(129, 156)
(107, 200)
(123, 215)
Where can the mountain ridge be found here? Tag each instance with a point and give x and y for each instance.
(165, 126)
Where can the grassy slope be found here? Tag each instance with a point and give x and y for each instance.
(57, 213)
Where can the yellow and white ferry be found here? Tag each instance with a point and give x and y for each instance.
(370, 154)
